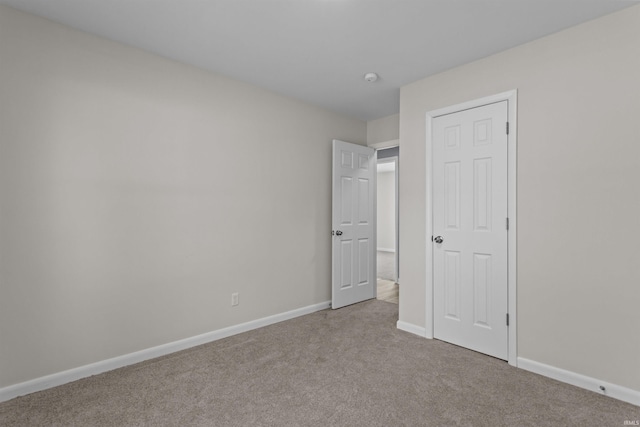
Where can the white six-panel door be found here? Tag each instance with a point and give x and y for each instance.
(470, 228)
(353, 224)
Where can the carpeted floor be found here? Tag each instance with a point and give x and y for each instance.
(348, 367)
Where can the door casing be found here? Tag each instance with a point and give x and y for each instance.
(511, 98)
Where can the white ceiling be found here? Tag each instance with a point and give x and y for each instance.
(318, 50)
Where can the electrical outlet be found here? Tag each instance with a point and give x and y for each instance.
(234, 299)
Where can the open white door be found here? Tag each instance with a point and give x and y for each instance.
(353, 224)
(470, 229)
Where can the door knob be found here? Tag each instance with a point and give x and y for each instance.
(338, 233)
(438, 239)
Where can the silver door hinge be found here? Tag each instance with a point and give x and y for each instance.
(507, 319)
(507, 128)
(507, 223)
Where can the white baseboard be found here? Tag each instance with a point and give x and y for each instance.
(74, 374)
(411, 328)
(612, 390)
(386, 250)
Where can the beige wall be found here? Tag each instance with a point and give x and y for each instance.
(386, 211)
(137, 194)
(383, 129)
(578, 202)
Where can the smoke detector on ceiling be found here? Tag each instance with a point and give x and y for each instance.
(371, 77)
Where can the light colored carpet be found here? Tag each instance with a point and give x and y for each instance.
(348, 367)
(386, 265)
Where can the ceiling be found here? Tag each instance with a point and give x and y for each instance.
(318, 50)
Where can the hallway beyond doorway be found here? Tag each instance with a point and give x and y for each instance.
(387, 287)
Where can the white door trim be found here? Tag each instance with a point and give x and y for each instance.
(385, 144)
(511, 97)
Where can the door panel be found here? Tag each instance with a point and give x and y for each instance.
(452, 284)
(353, 259)
(452, 195)
(469, 213)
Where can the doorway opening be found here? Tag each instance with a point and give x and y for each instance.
(387, 253)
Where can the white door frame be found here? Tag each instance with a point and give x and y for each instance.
(396, 189)
(511, 97)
